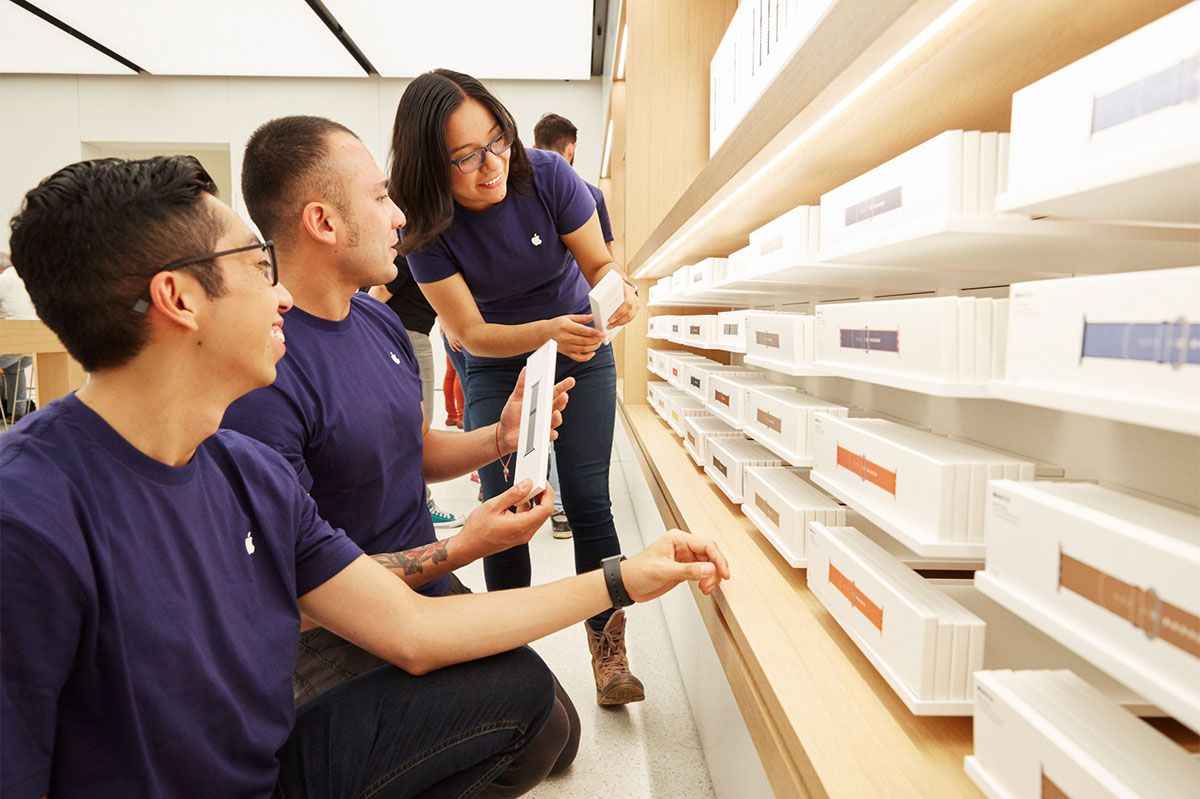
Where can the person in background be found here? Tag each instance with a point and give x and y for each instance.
(14, 304)
(404, 297)
(506, 245)
(557, 134)
(452, 393)
(157, 569)
(346, 409)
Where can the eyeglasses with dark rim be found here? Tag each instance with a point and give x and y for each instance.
(143, 303)
(473, 160)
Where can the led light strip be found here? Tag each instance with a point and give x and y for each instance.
(903, 54)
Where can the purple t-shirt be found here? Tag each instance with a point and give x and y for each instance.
(511, 255)
(150, 618)
(345, 410)
(602, 212)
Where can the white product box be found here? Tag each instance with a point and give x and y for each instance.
(1117, 574)
(698, 429)
(679, 280)
(699, 330)
(537, 401)
(1051, 734)
(1113, 135)
(781, 341)
(731, 330)
(918, 636)
(726, 395)
(680, 408)
(742, 262)
(605, 298)
(781, 503)
(727, 459)
(702, 275)
(657, 394)
(677, 366)
(926, 490)
(658, 326)
(674, 324)
(787, 240)
(698, 373)
(922, 184)
(782, 421)
(1124, 346)
(656, 362)
(937, 342)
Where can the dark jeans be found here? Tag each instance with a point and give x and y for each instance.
(583, 450)
(459, 361)
(449, 733)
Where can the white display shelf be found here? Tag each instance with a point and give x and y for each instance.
(921, 385)
(1000, 244)
(1105, 658)
(930, 549)
(983, 780)
(801, 461)
(1009, 643)
(782, 368)
(1138, 411)
(705, 347)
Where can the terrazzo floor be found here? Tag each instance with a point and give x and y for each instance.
(648, 749)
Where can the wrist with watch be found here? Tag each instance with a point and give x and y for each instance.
(614, 582)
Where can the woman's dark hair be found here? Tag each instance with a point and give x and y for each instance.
(420, 157)
(89, 238)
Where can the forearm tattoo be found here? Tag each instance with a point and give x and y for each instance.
(413, 561)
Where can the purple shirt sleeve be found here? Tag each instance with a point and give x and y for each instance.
(268, 415)
(570, 199)
(321, 550)
(432, 263)
(37, 650)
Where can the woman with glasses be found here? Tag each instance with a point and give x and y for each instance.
(506, 244)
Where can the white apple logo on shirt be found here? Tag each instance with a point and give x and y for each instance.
(249, 543)
(395, 357)
(537, 240)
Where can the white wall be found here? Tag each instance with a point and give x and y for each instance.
(48, 121)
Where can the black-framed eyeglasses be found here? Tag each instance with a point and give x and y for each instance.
(271, 274)
(473, 160)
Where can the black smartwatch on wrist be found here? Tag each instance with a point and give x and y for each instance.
(612, 579)
(629, 283)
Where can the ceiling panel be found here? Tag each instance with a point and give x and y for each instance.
(212, 37)
(513, 39)
(29, 44)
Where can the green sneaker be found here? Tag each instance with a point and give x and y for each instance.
(443, 519)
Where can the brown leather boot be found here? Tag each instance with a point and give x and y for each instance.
(614, 684)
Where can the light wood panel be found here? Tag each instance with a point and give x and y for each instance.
(964, 79)
(57, 373)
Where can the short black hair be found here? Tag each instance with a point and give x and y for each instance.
(420, 177)
(89, 238)
(285, 160)
(554, 132)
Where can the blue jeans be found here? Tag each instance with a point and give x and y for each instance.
(449, 733)
(583, 452)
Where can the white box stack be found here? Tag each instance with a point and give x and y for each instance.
(681, 408)
(731, 330)
(660, 394)
(942, 178)
(679, 281)
(787, 240)
(782, 421)
(698, 373)
(698, 429)
(1111, 576)
(781, 341)
(727, 459)
(726, 395)
(677, 363)
(927, 490)
(781, 504)
(1051, 734)
(932, 343)
(699, 330)
(741, 262)
(702, 275)
(1124, 346)
(658, 326)
(1113, 135)
(924, 643)
(652, 389)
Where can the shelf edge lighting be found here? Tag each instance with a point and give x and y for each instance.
(899, 57)
(624, 52)
(608, 143)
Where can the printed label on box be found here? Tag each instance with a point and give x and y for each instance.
(764, 339)
(766, 508)
(871, 472)
(1175, 343)
(1173, 86)
(769, 421)
(731, 330)
(721, 397)
(720, 467)
(889, 200)
(868, 340)
(873, 612)
(695, 381)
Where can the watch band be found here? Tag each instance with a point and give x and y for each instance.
(616, 585)
(1174, 343)
(1142, 608)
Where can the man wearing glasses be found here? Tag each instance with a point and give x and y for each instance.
(156, 569)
